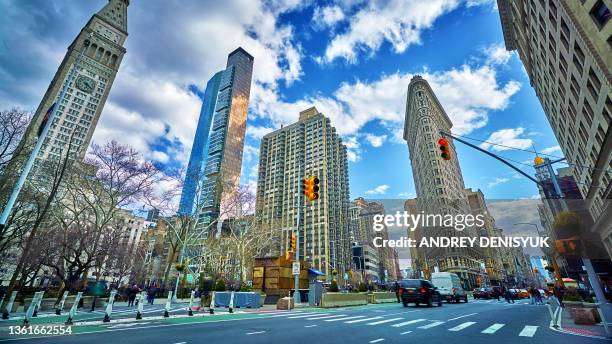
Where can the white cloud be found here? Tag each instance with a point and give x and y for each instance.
(497, 54)
(467, 94)
(327, 16)
(509, 138)
(376, 140)
(498, 181)
(379, 190)
(257, 132)
(160, 156)
(551, 150)
(353, 149)
(397, 22)
(250, 152)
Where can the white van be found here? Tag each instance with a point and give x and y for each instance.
(449, 286)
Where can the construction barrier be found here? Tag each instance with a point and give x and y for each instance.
(383, 297)
(329, 300)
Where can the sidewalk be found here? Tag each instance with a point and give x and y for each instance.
(563, 318)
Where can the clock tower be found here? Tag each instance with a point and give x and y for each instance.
(99, 46)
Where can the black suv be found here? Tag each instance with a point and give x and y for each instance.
(419, 291)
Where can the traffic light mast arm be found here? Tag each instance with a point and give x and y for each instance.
(443, 133)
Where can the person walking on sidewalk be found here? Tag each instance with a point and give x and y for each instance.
(151, 294)
(396, 286)
(132, 292)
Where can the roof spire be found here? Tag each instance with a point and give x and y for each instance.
(115, 13)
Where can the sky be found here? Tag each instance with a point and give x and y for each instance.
(352, 59)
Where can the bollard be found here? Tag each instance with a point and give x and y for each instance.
(168, 304)
(60, 306)
(35, 314)
(109, 306)
(140, 305)
(231, 303)
(32, 308)
(9, 306)
(74, 307)
(212, 304)
(191, 303)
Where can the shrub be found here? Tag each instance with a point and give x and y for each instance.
(220, 285)
(334, 286)
(362, 287)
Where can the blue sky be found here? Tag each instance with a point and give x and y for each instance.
(352, 59)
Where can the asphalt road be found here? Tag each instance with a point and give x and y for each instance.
(476, 322)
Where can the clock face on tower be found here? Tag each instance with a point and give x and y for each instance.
(86, 84)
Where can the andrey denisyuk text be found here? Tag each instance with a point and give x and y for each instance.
(459, 222)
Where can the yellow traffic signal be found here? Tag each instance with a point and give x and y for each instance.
(310, 188)
(538, 161)
(293, 242)
(569, 246)
(444, 149)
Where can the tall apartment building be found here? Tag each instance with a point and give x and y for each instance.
(309, 147)
(492, 256)
(199, 149)
(565, 47)
(100, 43)
(216, 158)
(438, 182)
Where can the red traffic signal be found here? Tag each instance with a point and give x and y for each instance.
(310, 188)
(444, 149)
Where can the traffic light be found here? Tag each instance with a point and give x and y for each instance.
(444, 149)
(293, 242)
(535, 270)
(310, 188)
(569, 246)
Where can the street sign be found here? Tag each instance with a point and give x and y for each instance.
(296, 268)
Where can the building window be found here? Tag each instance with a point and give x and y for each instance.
(600, 13)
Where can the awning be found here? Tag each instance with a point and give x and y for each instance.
(316, 272)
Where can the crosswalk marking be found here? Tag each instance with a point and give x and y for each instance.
(377, 340)
(462, 326)
(433, 324)
(408, 322)
(528, 331)
(283, 315)
(384, 321)
(463, 316)
(346, 318)
(493, 328)
(361, 320)
(326, 317)
(406, 332)
(306, 315)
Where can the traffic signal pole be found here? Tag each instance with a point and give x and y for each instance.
(296, 294)
(588, 266)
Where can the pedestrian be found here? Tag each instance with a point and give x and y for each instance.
(396, 286)
(132, 295)
(151, 294)
(538, 297)
(531, 292)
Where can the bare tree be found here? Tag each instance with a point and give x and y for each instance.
(13, 124)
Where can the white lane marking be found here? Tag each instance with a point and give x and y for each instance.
(493, 328)
(463, 316)
(528, 331)
(281, 315)
(181, 343)
(384, 321)
(408, 322)
(405, 332)
(360, 320)
(310, 325)
(258, 332)
(462, 326)
(327, 317)
(433, 324)
(307, 315)
(346, 318)
(377, 340)
(379, 310)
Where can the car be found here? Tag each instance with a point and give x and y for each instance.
(484, 293)
(449, 286)
(523, 294)
(419, 291)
